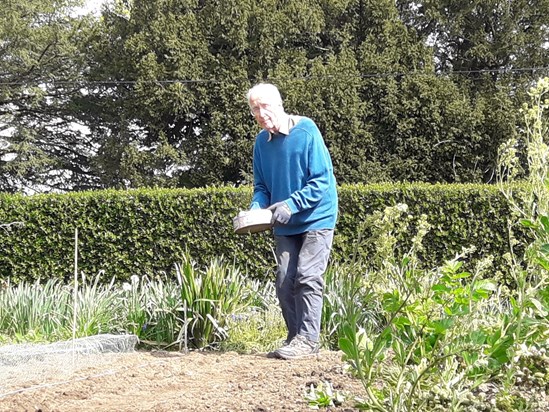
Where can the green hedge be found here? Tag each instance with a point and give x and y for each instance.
(460, 216)
(122, 233)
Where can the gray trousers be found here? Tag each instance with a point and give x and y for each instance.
(301, 262)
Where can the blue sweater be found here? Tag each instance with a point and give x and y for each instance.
(297, 169)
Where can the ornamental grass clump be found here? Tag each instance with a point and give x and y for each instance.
(188, 308)
(207, 298)
(45, 312)
(34, 312)
(154, 308)
(134, 298)
(260, 328)
(97, 306)
(348, 298)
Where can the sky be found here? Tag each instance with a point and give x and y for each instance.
(93, 6)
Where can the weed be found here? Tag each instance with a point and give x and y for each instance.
(323, 395)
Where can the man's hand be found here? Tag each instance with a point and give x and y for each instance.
(281, 213)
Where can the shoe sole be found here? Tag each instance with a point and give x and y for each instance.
(294, 357)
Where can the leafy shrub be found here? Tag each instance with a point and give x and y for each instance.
(145, 232)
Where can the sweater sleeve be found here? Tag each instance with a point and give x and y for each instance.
(261, 193)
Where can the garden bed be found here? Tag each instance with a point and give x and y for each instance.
(197, 381)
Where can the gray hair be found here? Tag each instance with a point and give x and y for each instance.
(268, 92)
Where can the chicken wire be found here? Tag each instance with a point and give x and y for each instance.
(26, 365)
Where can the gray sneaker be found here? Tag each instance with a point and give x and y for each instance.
(300, 347)
(274, 354)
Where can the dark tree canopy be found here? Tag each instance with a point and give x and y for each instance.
(401, 91)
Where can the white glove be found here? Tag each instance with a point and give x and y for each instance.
(281, 213)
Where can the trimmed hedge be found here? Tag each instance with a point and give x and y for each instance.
(460, 216)
(145, 231)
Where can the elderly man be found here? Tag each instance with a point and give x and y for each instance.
(293, 177)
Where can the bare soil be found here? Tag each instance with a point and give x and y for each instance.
(174, 381)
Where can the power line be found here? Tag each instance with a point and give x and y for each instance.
(297, 78)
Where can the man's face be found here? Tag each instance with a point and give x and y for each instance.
(265, 114)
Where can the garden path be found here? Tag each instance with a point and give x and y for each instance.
(197, 381)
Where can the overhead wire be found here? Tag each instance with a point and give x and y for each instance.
(340, 76)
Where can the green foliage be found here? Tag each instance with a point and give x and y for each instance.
(532, 274)
(476, 35)
(120, 233)
(208, 298)
(428, 335)
(160, 88)
(447, 330)
(40, 67)
(145, 232)
(260, 330)
(155, 320)
(23, 311)
(347, 298)
(323, 396)
(190, 309)
(134, 303)
(261, 327)
(405, 124)
(50, 311)
(95, 305)
(458, 217)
